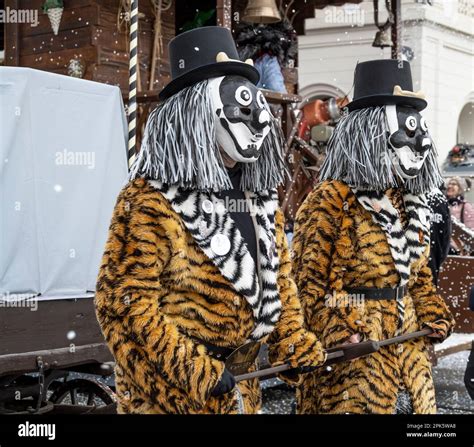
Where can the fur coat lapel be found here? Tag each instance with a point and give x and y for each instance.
(406, 246)
(265, 206)
(210, 224)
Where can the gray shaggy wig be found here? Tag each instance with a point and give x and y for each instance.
(180, 147)
(358, 154)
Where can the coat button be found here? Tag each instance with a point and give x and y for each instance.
(220, 244)
(359, 322)
(207, 206)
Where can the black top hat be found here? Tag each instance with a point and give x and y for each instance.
(384, 82)
(193, 58)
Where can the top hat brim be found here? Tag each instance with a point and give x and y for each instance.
(210, 71)
(386, 100)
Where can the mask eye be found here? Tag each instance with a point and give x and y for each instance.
(261, 100)
(423, 125)
(243, 95)
(411, 123)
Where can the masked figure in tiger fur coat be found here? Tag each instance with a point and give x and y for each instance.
(197, 263)
(361, 249)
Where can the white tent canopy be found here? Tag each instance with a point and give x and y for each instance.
(62, 163)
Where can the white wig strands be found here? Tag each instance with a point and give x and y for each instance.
(180, 147)
(358, 154)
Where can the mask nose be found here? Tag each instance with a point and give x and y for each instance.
(261, 119)
(423, 144)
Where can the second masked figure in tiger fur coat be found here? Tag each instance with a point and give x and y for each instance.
(361, 251)
(197, 263)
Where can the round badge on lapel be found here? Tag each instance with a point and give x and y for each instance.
(220, 244)
(207, 206)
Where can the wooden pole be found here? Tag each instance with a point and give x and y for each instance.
(396, 29)
(132, 83)
(223, 12)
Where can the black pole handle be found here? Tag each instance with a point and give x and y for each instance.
(282, 368)
(338, 354)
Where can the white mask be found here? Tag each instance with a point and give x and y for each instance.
(409, 140)
(243, 117)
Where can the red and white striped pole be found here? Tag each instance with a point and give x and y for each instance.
(132, 83)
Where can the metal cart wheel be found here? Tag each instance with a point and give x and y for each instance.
(83, 392)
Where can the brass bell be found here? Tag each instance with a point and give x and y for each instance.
(261, 11)
(383, 38)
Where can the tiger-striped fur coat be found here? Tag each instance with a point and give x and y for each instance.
(162, 289)
(347, 238)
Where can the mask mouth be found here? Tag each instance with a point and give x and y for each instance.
(409, 154)
(418, 158)
(409, 161)
(256, 137)
(410, 173)
(251, 151)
